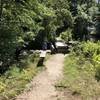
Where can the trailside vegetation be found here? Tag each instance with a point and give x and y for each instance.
(82, 66)
(26, 24)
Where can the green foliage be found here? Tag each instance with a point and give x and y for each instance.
(88, 49)
(20, 22)
(63, 15)
(97, 58)
(18, 74)
(67, 35)
(91, 49)
(7, 45)
(84, 18)
(79, 77)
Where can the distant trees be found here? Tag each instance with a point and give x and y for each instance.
(21, 21)
(84, 16)
(25, 20)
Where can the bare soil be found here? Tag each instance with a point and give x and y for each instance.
(42, 86)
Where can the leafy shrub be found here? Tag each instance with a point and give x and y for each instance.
(79, 77)
(67, 35)
(88, 49)
(97, 65)
(7, 46)
(91, 49)
(2, 86)
(21, 74)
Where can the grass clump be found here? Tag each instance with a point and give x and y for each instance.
(80, 76)
(15, 79)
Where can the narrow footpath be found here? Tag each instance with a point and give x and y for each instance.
(43, 85)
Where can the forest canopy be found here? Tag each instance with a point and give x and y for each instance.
(22, 21)
(26, 25)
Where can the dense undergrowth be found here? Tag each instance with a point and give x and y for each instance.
(82, 71)
(15, 79)
(27, 24)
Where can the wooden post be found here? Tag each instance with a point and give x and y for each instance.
(42, 57)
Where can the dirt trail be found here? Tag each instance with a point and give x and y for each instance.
(43, 85)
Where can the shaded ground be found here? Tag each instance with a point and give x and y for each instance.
(42, 86)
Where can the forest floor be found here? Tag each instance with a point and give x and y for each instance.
(42, 87)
